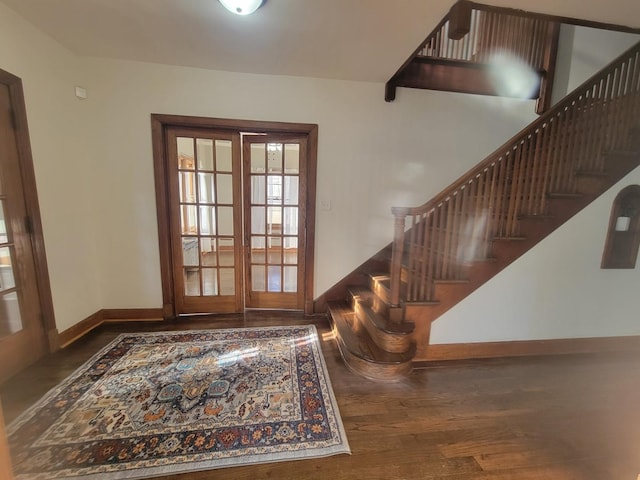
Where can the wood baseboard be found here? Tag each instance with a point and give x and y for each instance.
(80, 329)
(114, 315)
(132, 314)
(468, 351)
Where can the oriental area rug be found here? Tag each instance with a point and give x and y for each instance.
(156, 404)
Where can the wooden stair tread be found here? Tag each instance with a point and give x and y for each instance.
(384, 324)
(359, 342)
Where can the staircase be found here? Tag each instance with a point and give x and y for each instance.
(450, 246)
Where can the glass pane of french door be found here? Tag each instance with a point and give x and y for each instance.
(274, 221)
(206, 220)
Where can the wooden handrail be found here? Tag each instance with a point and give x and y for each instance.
(458, 224)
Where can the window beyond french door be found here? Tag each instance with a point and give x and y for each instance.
(238, 210)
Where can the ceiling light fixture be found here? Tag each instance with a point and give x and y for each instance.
(242, 7)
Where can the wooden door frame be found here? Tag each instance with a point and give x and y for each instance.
(159, 125)
(27, 172)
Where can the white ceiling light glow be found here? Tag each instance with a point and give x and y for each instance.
(242, 7)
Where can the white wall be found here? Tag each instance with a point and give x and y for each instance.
(57, 125)
(582, 52)
(371, 155)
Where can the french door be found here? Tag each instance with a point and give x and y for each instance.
(274, 227)
(237, 220)
(204, 187)
(22, 334)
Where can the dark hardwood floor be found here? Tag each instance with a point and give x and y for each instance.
(560, 418)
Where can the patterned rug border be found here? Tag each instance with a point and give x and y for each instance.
(248, 457)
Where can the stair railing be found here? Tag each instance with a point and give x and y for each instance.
(458, 225)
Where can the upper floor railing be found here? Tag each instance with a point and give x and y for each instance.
(491, 33)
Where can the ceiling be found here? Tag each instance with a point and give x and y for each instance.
(364, 40)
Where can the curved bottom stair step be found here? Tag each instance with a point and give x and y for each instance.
(359, 351)
(375, 316)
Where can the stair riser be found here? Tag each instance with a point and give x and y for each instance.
(591, 184)
(379, 289)
(450, 292)
(359, 351)
(391, 342)
(379, 305)
(373, 371)
(530, 227)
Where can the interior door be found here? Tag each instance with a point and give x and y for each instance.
(206, 220)
(22, 338)
(274, 226)
(237, 222)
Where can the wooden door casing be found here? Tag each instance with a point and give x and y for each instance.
(160, 125)
(23, 239)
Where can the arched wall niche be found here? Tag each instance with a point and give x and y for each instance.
(623, 236)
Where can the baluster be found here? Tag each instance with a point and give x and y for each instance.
(488, 37)
(616, 114)
(515, 188)
(607, 118)
(591, 131)
(446, 233)
(630, 104)
(627, 109)
(422, 258)
(572, 159)
(477, 212)
(478, 23)
(415, 241)
(492, 214)
(552, 142)
(455, 237)
(535, 167)
(463, 241)
(594, 133)
(543, 165)
(436, 245)
(571, 115)
(522, 34)
(559, 140)
(430, 256)
(501, 191)
(528, 152)
(397, 253)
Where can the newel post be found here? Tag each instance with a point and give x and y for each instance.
(400, 215)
